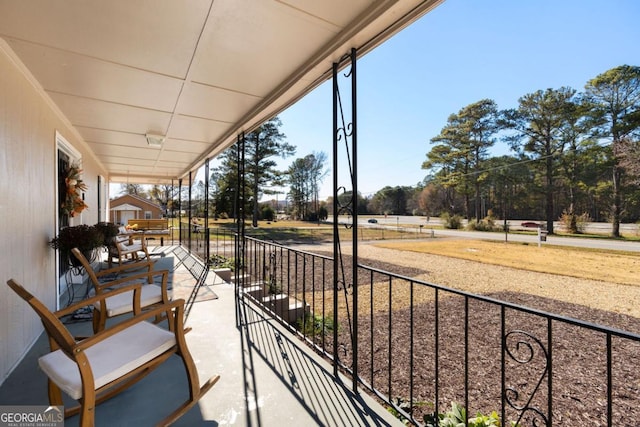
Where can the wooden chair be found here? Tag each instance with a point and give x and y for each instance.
(128, 246)
(117, 305)
(99, 367)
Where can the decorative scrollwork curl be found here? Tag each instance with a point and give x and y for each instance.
(345, 57)
(523, 347)
(346, 206)
(345, 209)
(538, 418)
(346, 132)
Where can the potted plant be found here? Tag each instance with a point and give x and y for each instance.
(109, 230)
(84, 237)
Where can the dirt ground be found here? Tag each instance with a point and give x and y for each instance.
(578, 359)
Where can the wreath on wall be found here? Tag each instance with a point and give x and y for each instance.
(73, 203)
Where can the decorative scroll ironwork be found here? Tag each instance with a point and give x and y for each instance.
(345, 208)
(523, 348)
(345, 131)
(526, 356)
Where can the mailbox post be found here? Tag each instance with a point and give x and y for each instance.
(542, 236)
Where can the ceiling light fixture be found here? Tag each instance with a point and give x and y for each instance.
(155, 140)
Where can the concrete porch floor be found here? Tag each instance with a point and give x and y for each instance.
(268, 377)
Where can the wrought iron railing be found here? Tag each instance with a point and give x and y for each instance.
(421, 346)
(208, 242)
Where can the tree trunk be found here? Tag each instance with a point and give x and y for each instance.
(467, 203)
(616, 208)
(254, 221)
(549, 195)
(478, 206)
(573, 222)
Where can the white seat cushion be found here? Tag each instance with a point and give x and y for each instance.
(109, 359)
(123, 303)
(130, 248)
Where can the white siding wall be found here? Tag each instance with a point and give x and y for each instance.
(28, 122)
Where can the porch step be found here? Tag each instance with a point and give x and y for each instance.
(257, 291)
(297, 310)
(278, 303)
(246, 277)
(288, 308)
(224, 274)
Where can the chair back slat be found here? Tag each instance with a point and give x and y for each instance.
(87, 268)
(56, 330)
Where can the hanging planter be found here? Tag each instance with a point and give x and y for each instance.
(86, 238)
(73, 204)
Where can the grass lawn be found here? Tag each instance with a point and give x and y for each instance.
(610, 266)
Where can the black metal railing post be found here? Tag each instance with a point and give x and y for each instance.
(521, 345)
(336, 236)
(354, 203)
(180, 211)
(207, 249)
(240, 206)
(190, 209)
(346, 130)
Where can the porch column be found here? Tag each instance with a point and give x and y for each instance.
(206, 213)
(240, 261)
(345, 130)
(190, 209)
(180, 210)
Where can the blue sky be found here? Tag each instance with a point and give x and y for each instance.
(460, 53)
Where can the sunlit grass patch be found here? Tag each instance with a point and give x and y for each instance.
(610, 266)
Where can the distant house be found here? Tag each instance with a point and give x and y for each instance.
(129, 206)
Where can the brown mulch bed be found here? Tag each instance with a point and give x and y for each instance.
(578, 360)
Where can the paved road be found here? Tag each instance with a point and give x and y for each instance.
(607, 244)
(394, 222)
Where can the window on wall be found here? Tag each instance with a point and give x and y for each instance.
(148, 215)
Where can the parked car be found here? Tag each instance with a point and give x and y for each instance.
(530, 224)
(372, 221)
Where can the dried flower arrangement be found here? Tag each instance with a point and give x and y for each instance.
(73, 203)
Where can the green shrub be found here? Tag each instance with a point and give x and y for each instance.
(315, 324)
(218, 261)
(455, 417)
(323, 213)
(273, 287)
(453, 222)
(486, 224)
(406, 406)
(574, 224)
(267, 213)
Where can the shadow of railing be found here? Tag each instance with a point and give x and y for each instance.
(327, 400)
(421, 346)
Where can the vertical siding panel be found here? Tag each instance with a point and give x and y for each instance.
(28, 124)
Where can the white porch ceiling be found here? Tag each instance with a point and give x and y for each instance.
(197, 71)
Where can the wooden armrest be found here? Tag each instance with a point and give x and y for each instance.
(177, 305)
(148, 275)
(129, 236)
(135, 287)
(124, 267)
